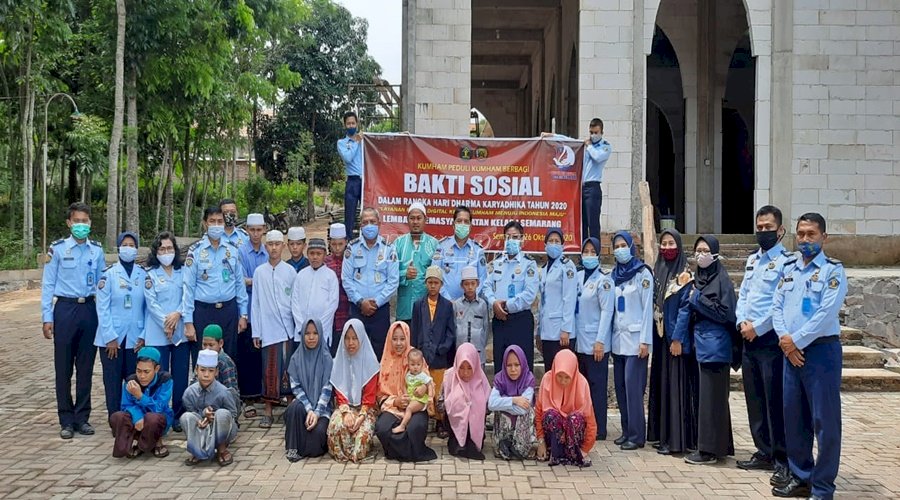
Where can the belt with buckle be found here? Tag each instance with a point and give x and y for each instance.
(76, 300)
(216, 305)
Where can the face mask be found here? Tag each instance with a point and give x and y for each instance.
(705, 260)
(127, 254)
(554, 250)
(513, 246)
(230, 219)
(370, 231)
(767, 239)
(351, 131)
(215, 232)
(669, 254)
(623, 255)
(590, 261)
(809, 249)
(595, 138)
(461, 231)
(81, 230)
(166, 260)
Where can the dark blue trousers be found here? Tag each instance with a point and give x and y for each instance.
(549, 349)
(591, 201)
(249, 366)
(74, 328)
(115, 371)
(226, 317)
(597, 375)
(352, 195)
(812, 408)
(376, 326)
(176, 361)
(518, 329)
(630, 375)
(763, 369)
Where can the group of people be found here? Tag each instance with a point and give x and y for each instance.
(190, 345)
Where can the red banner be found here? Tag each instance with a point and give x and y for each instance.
(535, 181)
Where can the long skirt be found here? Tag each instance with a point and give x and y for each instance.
(714, 422)
(564, 437)
(347, 447)
(514, 436)
(407, 446)
(655, 404)
(275, 379)
(300, 442)
(203, 443)
(678, 402)
(470, 449)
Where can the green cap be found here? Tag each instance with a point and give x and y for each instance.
(150, 353)
(213, 332)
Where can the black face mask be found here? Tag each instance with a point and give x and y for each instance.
(230, 219)
(767, 239)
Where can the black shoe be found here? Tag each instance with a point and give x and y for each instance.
(629, 446)
(701, 458)
(601, 437)
(86, 429)
(781, 477)
(176, 426)
(655, 445)
(757, 462)
(67, 432)
(620, 440)
(663, 450)
(795, 488)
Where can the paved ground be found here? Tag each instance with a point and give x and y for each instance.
(35, 463)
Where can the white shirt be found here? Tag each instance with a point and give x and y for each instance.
(315, 296)
(272, 320)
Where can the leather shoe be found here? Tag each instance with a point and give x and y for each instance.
(795, 488)
(620, 440)
(629, 446)
(781, 477)
(67, 432)
(601, 437)
(86, 429)
(756, 462)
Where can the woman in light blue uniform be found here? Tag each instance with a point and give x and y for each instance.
(120, 309)
(632, 333)
(559, 292)
(163, 326)
(593, 319)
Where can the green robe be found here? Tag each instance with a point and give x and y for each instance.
(410, 291)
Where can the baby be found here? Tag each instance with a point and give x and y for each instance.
(419, 387)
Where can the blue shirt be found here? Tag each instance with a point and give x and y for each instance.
(298, 264)
(822, 286)
(120, 306)
(594, 312)
(595, 158)
(370, 273)
(496, 402)
(237, 237)
(163, 295)
(513, 279)
(633, 324)
(73, 271)
(559, 293)
(213, 275)
(250, 260)
(761, 276)
(452, 258)
(351, 154)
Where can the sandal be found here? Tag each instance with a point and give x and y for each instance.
(224, 458)
(161, 451)
(135, 452)
(250, 411)
(265, 422)
(442, 433)
(191, 461)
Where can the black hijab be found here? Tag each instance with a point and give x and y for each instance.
(665, 271)
(715, 284)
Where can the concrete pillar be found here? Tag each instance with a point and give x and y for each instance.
(638, 111)
(408, 88)
(782, 107)
(706, 115)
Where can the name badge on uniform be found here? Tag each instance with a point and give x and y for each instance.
(806, 306)
(128, 301)
(90, 278)
(620, 303)
(377, 277)
(511, 291)
(226, 275)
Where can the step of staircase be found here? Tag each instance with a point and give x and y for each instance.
(862, 357)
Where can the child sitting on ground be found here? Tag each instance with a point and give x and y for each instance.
(419, 386)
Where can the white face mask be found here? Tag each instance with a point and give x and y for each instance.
(166, 260)
(705, 260)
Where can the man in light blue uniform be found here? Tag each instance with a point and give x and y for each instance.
(249, 358)
(763, 361)
(70, 276)
(512, 286)
(350, 150)
(457, 252)
(370, 274)
(214, 289)
(559, 294)
(805, 317)
(233, 234)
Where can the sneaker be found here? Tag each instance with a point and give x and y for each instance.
(86, 429)
(67, 432)
(701, 458)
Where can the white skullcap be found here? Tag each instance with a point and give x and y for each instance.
(337, 231)
(274, 235)
(469, 273)
(417, 206)
(256, 220)
(296, 233)
(208, 358)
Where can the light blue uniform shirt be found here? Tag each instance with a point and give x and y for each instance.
(595, 310)
(72, 272)
(559, 294)
(496, 402)
(761, 276)
(452, 258)
(250, 260)
(822, 284)
(595, 157)
(350, 152)
(120, 306)
(237, 237)
(634, 325)
(213, 275)
(163, 295)
(513, 279)
(370, 273)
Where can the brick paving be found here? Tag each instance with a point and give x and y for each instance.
(35, 463)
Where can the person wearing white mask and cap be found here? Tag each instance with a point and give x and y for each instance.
(296, 245)
(253, 254)
(210, 414)
(273, 324)
(315, 295)
(337, 244)
(414, 252)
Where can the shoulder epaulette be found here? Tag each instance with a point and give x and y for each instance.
(445, 238)
(223, 240)
(529, 257)
(353, 241)
(786, 253)
(195, 245)
(565, 260)
(476, 244)
(107, 268)
(57, 242)
(834, 261)
(97, 243)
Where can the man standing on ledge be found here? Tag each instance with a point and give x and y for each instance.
(350, 150)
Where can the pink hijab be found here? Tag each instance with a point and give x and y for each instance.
(466, 402)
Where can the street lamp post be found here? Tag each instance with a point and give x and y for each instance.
(44, 168)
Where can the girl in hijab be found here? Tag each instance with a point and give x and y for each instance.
(707, 314)
(354, 376)
(631, 338)
(307, 417)
(464, 396)
(673, 371)
(564, 416)
(512, 404)
(593, 319)
(408, 446)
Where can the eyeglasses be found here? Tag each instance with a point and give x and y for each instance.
(165, 250)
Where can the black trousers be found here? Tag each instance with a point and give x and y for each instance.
(376, 326)
(74, 328)
(518, 329)
(762, 366)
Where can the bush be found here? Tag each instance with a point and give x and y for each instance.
(11, 255)
(336, 195)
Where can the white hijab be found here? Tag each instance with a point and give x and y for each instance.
(350, 374)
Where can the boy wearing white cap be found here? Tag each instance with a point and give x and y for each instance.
(210, 414)
(471, 313)
(337, 243)
(414, 252)
(315, 295)
(296, 245)
(273, 323)
(253, 254)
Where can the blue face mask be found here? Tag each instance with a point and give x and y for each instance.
(127, 254)
(370, 231)
(590, 262)
(513, 246)
(351, 131)
(215, 232)
(809, 249)
(554, 250)
(623, 255)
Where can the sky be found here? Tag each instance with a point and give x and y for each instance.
(385, 36)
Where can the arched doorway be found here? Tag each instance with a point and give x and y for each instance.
(738, 120)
